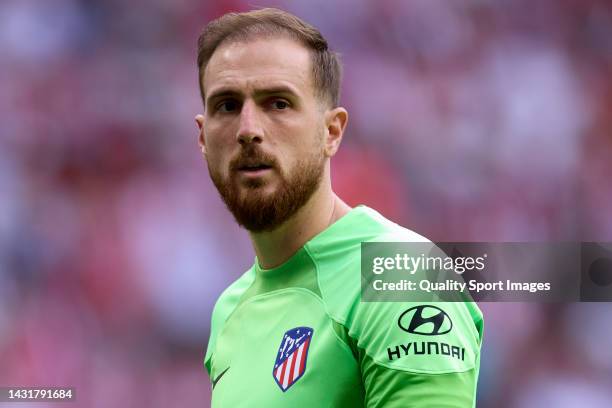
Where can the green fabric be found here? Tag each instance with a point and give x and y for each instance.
(357, 356)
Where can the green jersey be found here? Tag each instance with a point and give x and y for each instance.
(299, 336)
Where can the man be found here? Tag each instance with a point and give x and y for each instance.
(292, 330)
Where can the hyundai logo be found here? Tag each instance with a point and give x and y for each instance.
(425, 320)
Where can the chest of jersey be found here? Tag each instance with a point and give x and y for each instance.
(280, 349)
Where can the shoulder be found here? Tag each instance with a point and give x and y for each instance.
(230, 297)
(337, 255)
(379, 328)
(224, 306)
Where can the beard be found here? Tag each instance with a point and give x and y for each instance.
(259, 211)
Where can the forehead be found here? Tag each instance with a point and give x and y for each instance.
(259, 63)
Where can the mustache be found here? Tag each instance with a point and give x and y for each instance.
(251, 157)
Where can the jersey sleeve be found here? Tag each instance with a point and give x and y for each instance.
(224, 306)
(390, 388)
(216, 322)
(418, 354)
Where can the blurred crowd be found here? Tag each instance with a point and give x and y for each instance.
(469, 121)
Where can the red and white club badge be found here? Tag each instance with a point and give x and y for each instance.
(290, 363)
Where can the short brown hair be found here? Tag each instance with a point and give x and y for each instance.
(268, 22)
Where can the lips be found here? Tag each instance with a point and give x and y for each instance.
(253, 171)
(253, 162)
(254, 167)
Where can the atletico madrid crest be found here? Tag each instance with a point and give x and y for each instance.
(290, 362)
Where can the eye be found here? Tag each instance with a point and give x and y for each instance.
(228, 105)
(280, 104)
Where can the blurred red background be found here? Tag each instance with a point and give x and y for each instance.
(469, 121)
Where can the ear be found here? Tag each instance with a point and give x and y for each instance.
(201, 140)
(335, 123)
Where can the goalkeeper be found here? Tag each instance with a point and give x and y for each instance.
(292, 331)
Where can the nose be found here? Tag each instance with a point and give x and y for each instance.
(250, 129)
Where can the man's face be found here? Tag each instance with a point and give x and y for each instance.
(263, 130)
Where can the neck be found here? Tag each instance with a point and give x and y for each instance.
(273, 248)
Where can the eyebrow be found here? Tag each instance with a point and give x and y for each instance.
(258, 93)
